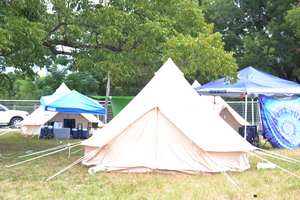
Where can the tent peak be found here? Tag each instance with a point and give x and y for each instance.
(196, 84)
(252, 73)
(249, 68)
(169, 67)
(62, 89)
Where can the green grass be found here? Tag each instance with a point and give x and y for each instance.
(28, 181)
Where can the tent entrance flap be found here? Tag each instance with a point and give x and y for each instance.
(154, 142)
(152, 131)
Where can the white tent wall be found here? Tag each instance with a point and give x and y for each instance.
(33, 123)
(31, 130)
(223, 109)
(231, 120)
(79, 119)
(156, 132)
(226, 112)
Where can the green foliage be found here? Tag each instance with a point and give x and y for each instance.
(47, 85)
(293, 24)
(293, 20)
(6, 85)
(22, 33)
(264, 34)
(16, 86)
(129, 39)
(201, 57)
(25, 89)
(83, 82)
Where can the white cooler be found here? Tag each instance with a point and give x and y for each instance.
(62, 133)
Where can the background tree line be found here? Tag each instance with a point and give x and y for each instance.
(262, 33)
(80, 41)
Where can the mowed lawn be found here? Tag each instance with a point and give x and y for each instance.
(27, 181)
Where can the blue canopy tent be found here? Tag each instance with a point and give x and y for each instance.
(72, 102)
(250, 82)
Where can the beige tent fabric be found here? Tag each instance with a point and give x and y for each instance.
(158, 131)
(33, 123)
(224, 109)
(226, 112)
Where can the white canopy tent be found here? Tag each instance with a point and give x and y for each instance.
(33, 123)
(157, 131)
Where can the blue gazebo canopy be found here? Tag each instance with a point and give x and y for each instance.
(72, 102)
(250, 81)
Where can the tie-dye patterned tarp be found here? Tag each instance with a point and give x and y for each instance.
(281, 120)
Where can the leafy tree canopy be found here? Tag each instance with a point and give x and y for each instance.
(262, 33)
(130, 39)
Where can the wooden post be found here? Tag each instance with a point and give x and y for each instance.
(107, 96)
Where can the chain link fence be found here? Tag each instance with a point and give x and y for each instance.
(238, 106)
(31, 105)
(25, 105)
(252, 110)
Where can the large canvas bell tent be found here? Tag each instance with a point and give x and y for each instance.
(165, 128)
(222, 108)
(33, 123)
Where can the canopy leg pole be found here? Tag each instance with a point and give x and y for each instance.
(252, 111)
(246, 110)
(259, 115)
